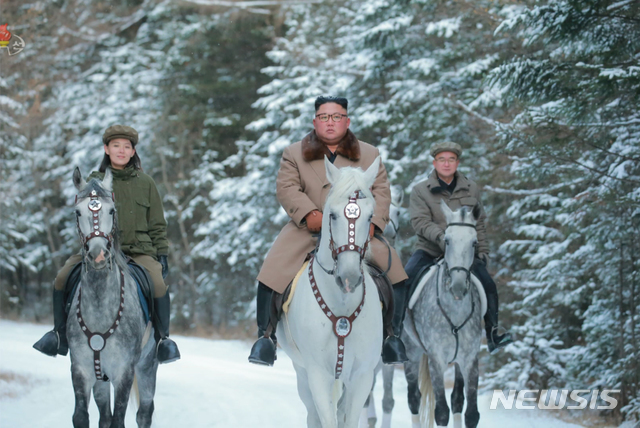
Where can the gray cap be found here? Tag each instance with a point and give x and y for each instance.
(120, 131)
(446, 147)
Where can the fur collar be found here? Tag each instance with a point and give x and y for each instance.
(314, 149)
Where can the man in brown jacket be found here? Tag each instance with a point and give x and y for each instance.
(302, 188)
(428, 221)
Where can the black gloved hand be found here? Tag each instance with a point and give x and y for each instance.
(165, 265)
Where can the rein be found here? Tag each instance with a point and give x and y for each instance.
(455, 329)
(97, 341)
(341, 325)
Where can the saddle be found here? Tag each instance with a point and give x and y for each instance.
(280, 302)
(139, 274)
(422, 278)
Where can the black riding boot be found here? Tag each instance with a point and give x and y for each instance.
(264, 350)
(495, 341)
(167, 350)
(54, 342)
(393, 351)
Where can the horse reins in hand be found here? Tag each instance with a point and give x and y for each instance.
(97, 341)
(341, 325)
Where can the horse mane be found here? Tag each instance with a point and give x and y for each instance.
(351, 179)
(96, 185)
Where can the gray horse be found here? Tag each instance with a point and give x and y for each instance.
(108, 336)
(444, 327)
(369, 417)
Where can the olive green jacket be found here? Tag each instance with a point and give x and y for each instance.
(428, 220)
(142, 228)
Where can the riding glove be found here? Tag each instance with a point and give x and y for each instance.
(314, 221)
(165, 265)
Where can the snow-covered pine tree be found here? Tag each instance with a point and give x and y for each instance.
(575, 150)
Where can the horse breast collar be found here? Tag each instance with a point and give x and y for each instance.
(97, 341)
(341, 325)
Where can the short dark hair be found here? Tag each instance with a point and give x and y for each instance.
(342, 102)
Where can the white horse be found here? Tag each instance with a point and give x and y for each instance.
(333, 329)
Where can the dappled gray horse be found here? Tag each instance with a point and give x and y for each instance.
(369, 417)
(108, 337)
(444, 327)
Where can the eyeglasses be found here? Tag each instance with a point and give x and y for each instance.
(446, 160)
(324, 117)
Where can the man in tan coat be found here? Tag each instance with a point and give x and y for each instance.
(428, 221)
(302, 188)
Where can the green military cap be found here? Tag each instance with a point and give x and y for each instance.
(446, 147)
(120, 131)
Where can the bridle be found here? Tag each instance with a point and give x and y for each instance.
(455, 328)
(95, 206)
(352, 213)
(342, 325)
(98, 341)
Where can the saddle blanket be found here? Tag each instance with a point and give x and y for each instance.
(294, 284)
(431, 272)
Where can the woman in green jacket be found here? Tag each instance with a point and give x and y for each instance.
(143, 237)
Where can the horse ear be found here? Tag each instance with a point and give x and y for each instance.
(107, 181)
(78, 181)
(372, 172)
(397, 195)
(476, 212)
(332, 171)
(448, 214)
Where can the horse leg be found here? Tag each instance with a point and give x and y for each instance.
(387, 400)
(122, 390)
(82, 388)
(457, 398)
(368, 418)
(321, 387)
(102, 395)
(412, 374)
(145, 371)
(471, 415)
(354, 397)
(313, 420)
(437, 383)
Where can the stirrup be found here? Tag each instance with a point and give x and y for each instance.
(393, 351)
(503, 341)
(263, 352)
(49, 344)
(167, 351)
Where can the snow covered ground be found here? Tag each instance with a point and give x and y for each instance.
(213, 385)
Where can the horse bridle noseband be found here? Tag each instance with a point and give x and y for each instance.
(95, 206)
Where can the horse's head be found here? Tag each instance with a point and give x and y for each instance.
(95, 218)
(460, 239)
(397, 196)
(347, 218)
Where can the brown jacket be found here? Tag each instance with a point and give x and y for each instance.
(427, 218)
(302, 187)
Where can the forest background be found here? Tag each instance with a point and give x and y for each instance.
(542, 95)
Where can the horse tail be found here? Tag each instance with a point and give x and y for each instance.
(427, 414)
(134, 397)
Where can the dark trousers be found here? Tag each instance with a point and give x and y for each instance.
(420, 258)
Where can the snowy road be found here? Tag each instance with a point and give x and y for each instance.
(213, 385)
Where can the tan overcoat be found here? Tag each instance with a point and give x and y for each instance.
(302, 187)
(428, 220)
